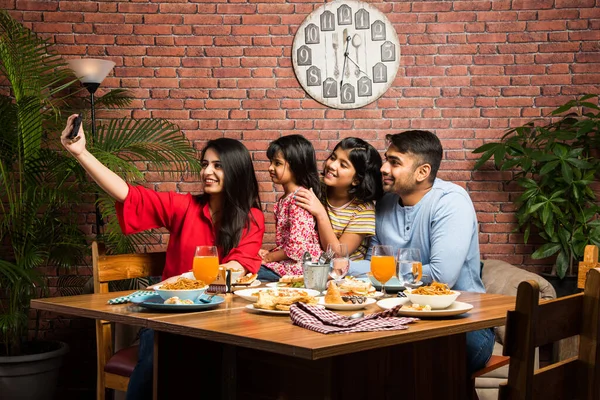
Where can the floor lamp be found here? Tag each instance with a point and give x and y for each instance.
(91, 72)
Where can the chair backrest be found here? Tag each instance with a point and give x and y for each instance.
(590, 260)
(107, 268)
(123, 266)
(533, 324)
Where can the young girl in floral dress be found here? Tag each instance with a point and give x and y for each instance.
(293, 166)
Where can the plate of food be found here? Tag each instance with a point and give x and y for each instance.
(334, 300)
(289, 281)
(267, 311)
(437, 296)
(424, 311)
(176, 304)
(351, 286)
(280, 300)
(252, 294)
(391, 302)
(248, 280)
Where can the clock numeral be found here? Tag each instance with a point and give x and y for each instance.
(327, 21)
(365, 87)
(311, 34)
(361, 19)
(313, 76)
(330, 88)
(304, 55)
(379, 73)
(344, 14)
(378, 31)
(388, 52)
(347, 95)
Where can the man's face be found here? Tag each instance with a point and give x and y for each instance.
(398, 172)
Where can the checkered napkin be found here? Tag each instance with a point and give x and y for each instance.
(324, 321)
(125, 299)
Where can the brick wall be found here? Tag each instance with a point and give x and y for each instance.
(469, 70)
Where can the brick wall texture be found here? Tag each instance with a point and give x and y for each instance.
(469, 70)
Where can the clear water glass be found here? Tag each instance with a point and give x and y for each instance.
(340, 264)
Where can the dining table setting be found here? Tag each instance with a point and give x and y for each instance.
(348, 339)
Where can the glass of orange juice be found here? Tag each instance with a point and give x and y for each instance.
(206, 264)
(383, 264)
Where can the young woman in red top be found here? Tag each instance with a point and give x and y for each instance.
(227, 215)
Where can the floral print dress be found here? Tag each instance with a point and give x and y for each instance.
(295, 233)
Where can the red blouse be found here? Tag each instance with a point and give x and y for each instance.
(189, 224)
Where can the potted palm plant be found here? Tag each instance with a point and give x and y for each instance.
(555, 161)
(39, 184)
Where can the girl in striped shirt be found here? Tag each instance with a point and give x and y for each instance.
(346, 211)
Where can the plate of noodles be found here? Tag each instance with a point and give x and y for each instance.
(437, 296)
(183, 288)
(176, 305)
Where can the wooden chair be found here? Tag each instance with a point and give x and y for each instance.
(114, 369)
(495, 362)
(590, 261)
(534, 324)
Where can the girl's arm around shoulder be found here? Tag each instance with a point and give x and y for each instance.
(246, 253)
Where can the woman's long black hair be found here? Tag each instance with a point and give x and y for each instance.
(240, 191)
(367, 163)
(300, 156)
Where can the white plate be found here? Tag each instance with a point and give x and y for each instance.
(253, 284)
(391, 302)
(280, 312)
(371, 296)
(346, 307)
(276, 285)
(247, 294)
(456, 308)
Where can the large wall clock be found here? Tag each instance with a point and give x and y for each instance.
(346, 54)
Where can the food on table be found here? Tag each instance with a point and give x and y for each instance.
(350, 286)
(333, 295)
(291, 281)
(183, 284)
(177, 300)
(435, 288)
(416, 307)
(282, 299)
(246, 279)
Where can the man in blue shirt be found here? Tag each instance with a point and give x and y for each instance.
(435, 216)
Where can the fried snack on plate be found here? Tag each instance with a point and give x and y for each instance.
(333, 295)
(177, 300)
(280, 300)
(293, 281)
(246, 279)
(351, 286)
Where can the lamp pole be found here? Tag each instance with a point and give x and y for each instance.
(91, 72)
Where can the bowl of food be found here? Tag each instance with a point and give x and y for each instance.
(438, 296)
(183, 288)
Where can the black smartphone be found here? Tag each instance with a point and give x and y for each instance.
(76, 126)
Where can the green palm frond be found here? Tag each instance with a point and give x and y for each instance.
(115, 98)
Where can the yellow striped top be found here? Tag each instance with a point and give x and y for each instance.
(354, 217)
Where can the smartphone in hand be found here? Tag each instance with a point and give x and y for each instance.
(76, 126)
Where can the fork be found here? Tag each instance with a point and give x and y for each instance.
(335, 45)
(401, 294)
(207, 299)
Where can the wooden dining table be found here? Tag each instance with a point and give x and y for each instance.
(232, 352)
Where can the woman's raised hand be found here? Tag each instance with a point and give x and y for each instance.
(307, 199)
(74, 146)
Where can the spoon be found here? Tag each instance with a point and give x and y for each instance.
(356, 42)
(359, 314)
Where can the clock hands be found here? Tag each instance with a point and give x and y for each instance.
(358, 68)
(347, 38)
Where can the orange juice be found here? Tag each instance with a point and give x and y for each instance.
(383, 268)
(206, 268)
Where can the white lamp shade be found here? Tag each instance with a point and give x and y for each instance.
(91, 70)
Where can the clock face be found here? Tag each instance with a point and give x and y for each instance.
(346, 54)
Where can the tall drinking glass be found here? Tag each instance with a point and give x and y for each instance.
(206, 264)
(383, 264)
(341, 260)
(410, 268)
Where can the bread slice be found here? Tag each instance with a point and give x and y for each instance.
(246, 279)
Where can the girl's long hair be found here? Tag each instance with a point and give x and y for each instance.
(367, 163)
(240, 191)
(300, 156)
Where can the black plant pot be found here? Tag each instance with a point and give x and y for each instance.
(565, 286)
(31, 377)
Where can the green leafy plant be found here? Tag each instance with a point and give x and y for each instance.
(555, 159)
(40, 185)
